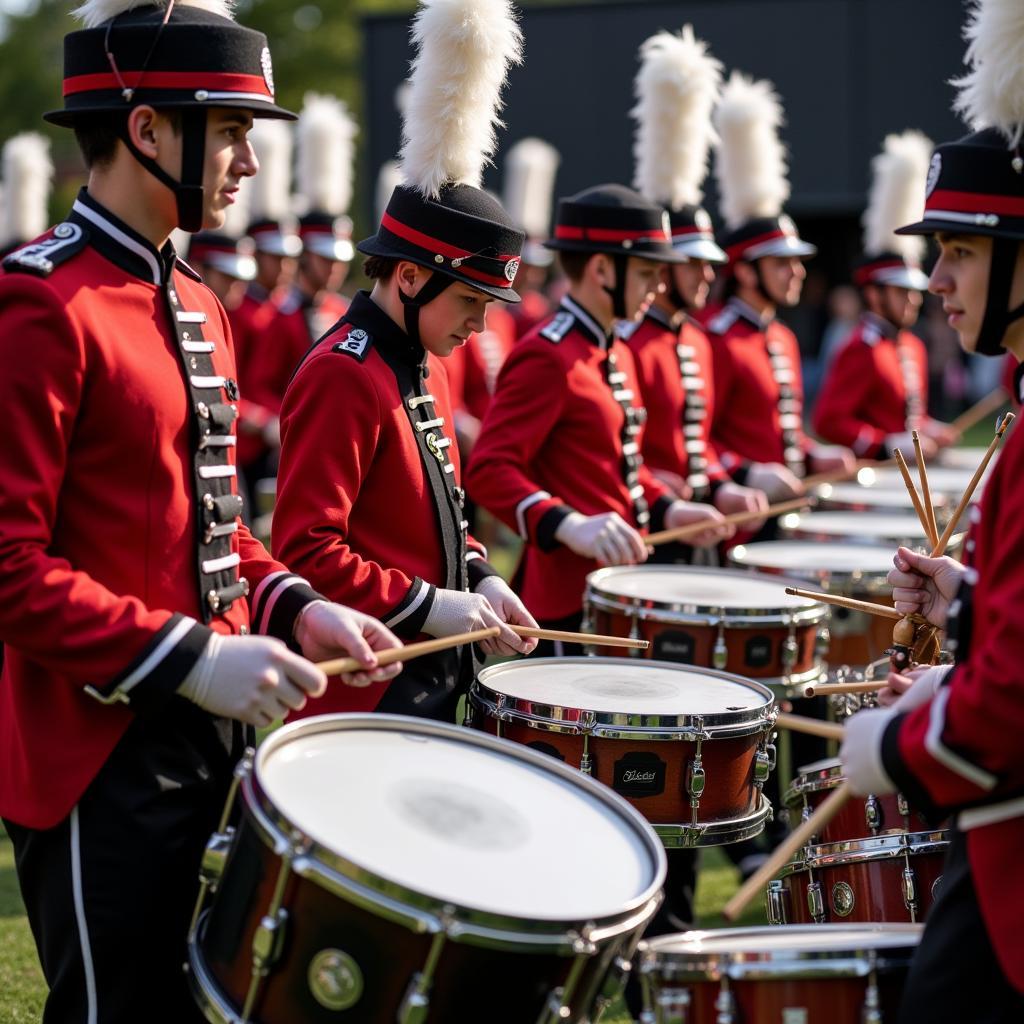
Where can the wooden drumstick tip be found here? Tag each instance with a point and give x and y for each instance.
(904, 632)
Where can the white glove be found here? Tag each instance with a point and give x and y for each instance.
(507, 606)
(255, 679)
(775, 479)
(905, 442)
(924, 683)
(607, 538)
(861, 752)
(455, 611)
(689, 513)
(829, 457)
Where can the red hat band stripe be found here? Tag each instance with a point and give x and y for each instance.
(735, 252)
(975, 202)
(692, 229)
(452, 252)
(221, 81)
(607, 234)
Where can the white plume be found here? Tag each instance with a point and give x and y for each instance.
(96, 12)
(388, 179)
(465, 48)
(270, 191)
(325, 147)
(992, 92)
(28, 178)
(530, 169)
(896, 198)
(751, 161)
(676, 89)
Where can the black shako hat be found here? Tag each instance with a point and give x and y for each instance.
(975, 187)
(890, 268)
(194, 59)
(615, 220)
(231, 256)
(463, 233)
(693, 235)
(765, 236)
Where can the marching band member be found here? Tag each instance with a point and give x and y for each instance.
(558, 457)
(369, 497)
(677, 87)
(758, 418)
(127, 584)
(875, 391)
(951, 743)
(27, 183)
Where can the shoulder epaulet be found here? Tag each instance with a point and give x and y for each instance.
(291, 303)
(560, 325)
(722, 321)
(43, 257)
(356, 343)
(625, 330)
(188, 271)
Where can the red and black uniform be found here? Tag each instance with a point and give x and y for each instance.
(759, 395)
(674, 369)
(369, 502)
(285, 338)
(473, 368)
(877, 385)
(960, 754)
(120, 552)
(563, 434)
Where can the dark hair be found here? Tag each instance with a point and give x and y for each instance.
(573, 263)
(379, 268)
(98, 134)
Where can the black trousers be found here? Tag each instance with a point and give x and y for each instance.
(110, 890)
(955, 976)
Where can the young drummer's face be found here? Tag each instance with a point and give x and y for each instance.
(783, 278)
(693, 282)
(960, 279)
(643, 279)
(229, 159)
(448, 321)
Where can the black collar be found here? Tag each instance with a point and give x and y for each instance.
(386, 334)
(748, 313)
(588, 323)
(122, 245)
(880, 324)
(659, 316)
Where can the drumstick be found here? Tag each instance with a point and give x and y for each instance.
(914, 497)
(869, 607)
(809, 726)
(784, 853)
(992, 402)
(692, 529)
(926, 494)
(336, 666)
(830, 689)
(940, 547)
(580, 638)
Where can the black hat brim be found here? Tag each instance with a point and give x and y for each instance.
(933, 225)
(69, 118)
(653, 253)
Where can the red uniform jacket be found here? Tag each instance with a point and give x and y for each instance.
(248, 321)
(534, 309)
(961, 752)
(284, 340)
(473, 368)
(368, 497)
(759, 394)
(677, 390)
(120, 547)
(553, 443)
(876, 385)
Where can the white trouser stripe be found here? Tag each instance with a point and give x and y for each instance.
(92, 1012)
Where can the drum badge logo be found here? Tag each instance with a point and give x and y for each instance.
(268, 69)
(511, 269)
(335, 979)
(934, 170)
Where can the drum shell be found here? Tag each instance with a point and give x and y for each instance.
(876, 882)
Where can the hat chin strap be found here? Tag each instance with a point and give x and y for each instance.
(188, 193)
(412, 304)
(997, 319)
(618, 290)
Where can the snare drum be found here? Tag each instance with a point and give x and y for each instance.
(946, 484)
(854, 497)
(391, 869)
(715, 618)
(851, 570)
(880, 528)
(687, 747)
(968, 459)
(832, 974)
(893, 877)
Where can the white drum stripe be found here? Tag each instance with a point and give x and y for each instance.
(92, 1011)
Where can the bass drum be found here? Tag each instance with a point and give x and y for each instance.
(391, 869)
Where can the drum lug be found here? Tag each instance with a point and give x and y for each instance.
(268, 940)
(634, 631)
(614, 984)
(720, 653)
(816, 902)
(775, 902)
(416, 1002)
(790, 650)
(556, 1006)
(873, 813)
(695, 775)
(822, 643)
(871, 1012)
(909, 885)
(671, 1006)
(725, 1004)
(902, 806)
(215, 857)
(586, 761)
(764, 764)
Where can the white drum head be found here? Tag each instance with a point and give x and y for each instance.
(618, 685)
(459, 822)
(695, 588)
(793, 939)
(805, 557)
(965, 458)
(881, 498)
(888, 526)
(941, 480)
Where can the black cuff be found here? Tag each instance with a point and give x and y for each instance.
(477, 570)
(549, 523)
(658, 512)
(714, 486)
(740, 473)
(917, 796)
(412, 624)
(148, 693)
(279, 604)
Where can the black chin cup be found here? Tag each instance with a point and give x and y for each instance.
(998, 319)
(618, 290)
(412, 304)
(188, 193)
